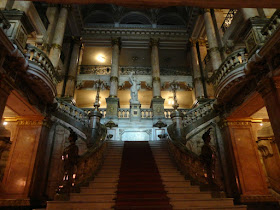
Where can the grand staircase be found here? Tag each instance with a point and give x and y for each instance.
(140, 175)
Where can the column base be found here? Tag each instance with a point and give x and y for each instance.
(157, 104)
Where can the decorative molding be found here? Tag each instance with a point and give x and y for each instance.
(156, 79)
(56, 46)
(30, 122)
(154, 42)
(116, 41)
(114, 79)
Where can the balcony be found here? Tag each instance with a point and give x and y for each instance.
(228, 78)
(41, 74)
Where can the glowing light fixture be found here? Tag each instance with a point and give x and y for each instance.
(100, 58)
(261, 124)
(5, 123)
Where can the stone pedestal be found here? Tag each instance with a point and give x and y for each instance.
(112, 108)
(157, 105)
(94, 118)
(135, 112)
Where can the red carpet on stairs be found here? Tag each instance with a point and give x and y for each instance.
(140, 185)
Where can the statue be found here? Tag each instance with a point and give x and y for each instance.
(207, 155)
(70, 158)
(136, 85)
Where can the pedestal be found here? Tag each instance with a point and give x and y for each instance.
(135, 112)
(157, 105)
(112, 108)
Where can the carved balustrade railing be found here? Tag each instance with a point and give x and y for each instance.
(228, 19)
(167, 112)
(101, 110)
(123, 113)
(37, 56)
(272, 25)
(233, 61)
(192, 166)
(146, 113)
(73, 111)
(198, 112)
(126, 70)
(4, 23)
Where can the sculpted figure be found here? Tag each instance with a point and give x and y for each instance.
(207, 155)
(136, 85)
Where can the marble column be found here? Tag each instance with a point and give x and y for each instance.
(57, 41)
(52, 14)
(215, 56)
(203, 53)
(246, 166)
(270, 92)
(249, 12)
(73, 68)
(157, 102)
(113, 100)
(199, 93)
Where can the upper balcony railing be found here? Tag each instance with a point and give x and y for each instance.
(198, 112)
(41, 59)
(125, 70)
(228, 19)
(272, 25)
(233, 61)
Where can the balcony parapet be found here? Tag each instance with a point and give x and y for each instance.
(230, 73)
(272, 25)
(41, 73)
(197, 113)
(126, 70)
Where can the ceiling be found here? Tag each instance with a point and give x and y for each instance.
(166, 3)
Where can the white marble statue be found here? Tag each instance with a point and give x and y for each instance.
(136, 85)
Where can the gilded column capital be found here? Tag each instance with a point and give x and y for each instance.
(206, 10)
(202, 42)
(77, 39)
(193, 42)
(56, 46)
(116, 41)
(154, 42)
(112, 78)
(156, 79)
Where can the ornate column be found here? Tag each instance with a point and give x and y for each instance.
(57, 41)
(199, 93)
(157, 102)
(249, 12)
(73, 68)
(52, 14)
(270, 92)
(113, 100)
(212, 40)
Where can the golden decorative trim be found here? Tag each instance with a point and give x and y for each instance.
(193, 42)
(113, 78)
(201, 42)
(30, 122)
(156, 79)
(111, 96)
(57, 46)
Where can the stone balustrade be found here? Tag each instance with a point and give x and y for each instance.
(123, 113)
(228, 19)
(232, 62)
(198, 112)
(272, 25)
(37, 56)
(73, 111)
(146, 113)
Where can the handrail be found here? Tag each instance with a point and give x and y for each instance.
(228, 19)
(198, 112)
(40, 58)
(272, 25)
(234, 60)
(73, 111)
(192, 166)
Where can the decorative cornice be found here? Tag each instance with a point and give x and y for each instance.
(30, 122)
